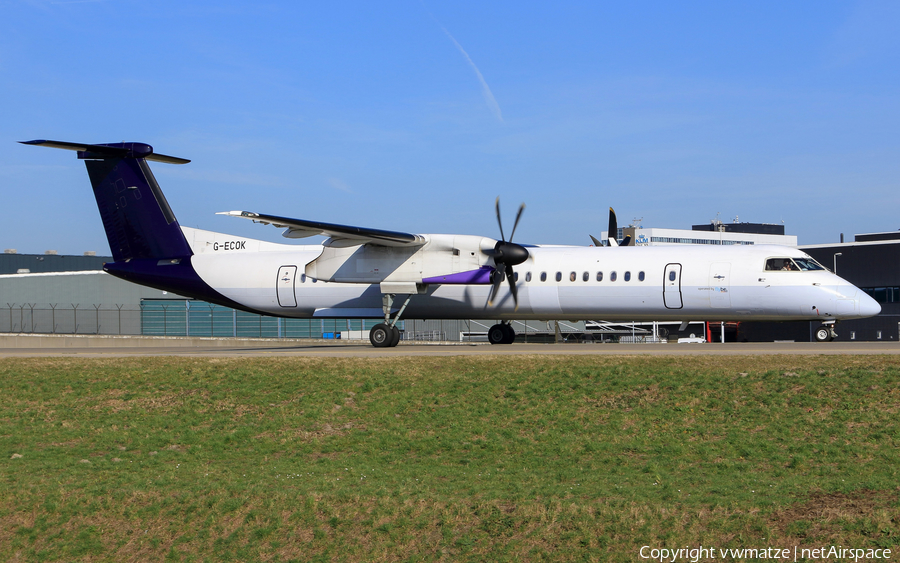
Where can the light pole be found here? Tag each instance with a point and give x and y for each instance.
(836, 254)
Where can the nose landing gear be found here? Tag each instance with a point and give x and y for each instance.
(825, 333)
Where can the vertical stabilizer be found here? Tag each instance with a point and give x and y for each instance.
(136, 216)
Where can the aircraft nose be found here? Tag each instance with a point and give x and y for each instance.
(868, 307)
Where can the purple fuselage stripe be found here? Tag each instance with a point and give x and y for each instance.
(480, 276)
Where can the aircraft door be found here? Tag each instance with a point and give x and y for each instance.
(720, 285)
(284, 286)
(672, 287)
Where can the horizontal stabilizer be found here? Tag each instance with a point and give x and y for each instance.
(341, 235)
(114, 150)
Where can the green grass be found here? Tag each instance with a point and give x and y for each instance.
(408, 459)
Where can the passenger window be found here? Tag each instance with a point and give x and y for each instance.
(527, 277)
(573, 276)
(543, 276)
(515, 276)
(599, 276)
(672, 275)
(612, 276)
(627, 276)
(585, 277)
(558, 276)
(302, 278)
(640, 276)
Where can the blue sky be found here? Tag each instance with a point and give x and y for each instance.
(415, 116)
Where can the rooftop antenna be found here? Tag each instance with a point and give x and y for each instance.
(718, 222)
(636, 223)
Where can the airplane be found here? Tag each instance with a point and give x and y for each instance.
(361, 272)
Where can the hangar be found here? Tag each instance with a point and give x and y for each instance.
(872, 263)
(52, 293)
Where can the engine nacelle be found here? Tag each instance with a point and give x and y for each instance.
(442, 257)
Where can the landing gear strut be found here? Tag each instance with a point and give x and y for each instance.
(386, 334)
(501, 333)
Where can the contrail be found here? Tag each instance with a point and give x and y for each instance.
(485, 89)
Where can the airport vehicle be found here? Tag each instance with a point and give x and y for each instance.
(370, 273)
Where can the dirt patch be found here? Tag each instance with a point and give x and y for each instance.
(822, 506)
(827, 513)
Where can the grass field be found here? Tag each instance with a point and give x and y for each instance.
(448, 459)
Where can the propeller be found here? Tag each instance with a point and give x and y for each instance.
(613, 230)
(611, 233)
(506, 254)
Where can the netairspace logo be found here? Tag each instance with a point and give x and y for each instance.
(700, 553)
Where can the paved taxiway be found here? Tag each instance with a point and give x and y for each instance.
(100, 347)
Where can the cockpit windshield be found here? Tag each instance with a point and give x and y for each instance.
(808, 264)
(792, 264)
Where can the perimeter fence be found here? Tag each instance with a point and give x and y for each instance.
(180, 317)
(70, 318)
(186, 317)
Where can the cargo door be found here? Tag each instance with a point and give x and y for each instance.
(287, 276)
(672, 287)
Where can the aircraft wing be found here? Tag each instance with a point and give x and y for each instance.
(341, 235)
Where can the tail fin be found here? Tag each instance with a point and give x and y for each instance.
(136, 216)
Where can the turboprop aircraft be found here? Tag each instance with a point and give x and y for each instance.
(370, 273)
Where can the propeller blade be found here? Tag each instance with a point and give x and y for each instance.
(499, 222)
(506, 254)
(596, 242)
(511, 278)
(516, 224)
(613, 230)
(497, 279)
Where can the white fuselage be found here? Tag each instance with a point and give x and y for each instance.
(637, 283)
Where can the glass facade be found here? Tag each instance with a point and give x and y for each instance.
(680, 240)
(883, 294)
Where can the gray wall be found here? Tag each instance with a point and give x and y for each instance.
(42, 263)
(91, 302)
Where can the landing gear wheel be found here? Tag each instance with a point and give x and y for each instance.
(381, 335)
(501, 334)
(497, 334)
(823, 334)
(510, 334)
(395, 336)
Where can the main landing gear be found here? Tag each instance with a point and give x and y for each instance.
(501, 333)
(386, 334)
(825, 333)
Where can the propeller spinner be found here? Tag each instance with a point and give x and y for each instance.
(506, 254)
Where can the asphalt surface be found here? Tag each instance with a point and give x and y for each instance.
(87, 348)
